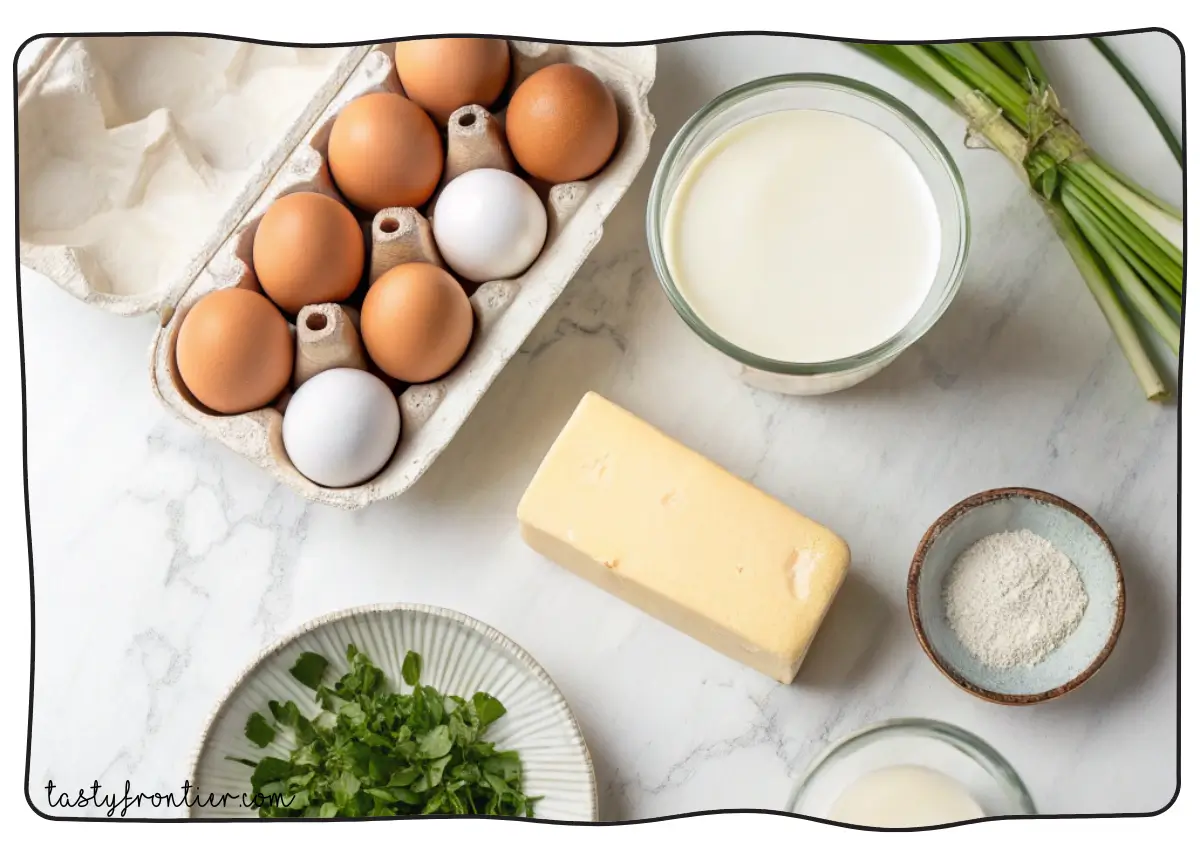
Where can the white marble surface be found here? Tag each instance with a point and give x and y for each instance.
(163, 562)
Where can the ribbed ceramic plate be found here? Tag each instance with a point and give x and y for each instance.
(460, 656)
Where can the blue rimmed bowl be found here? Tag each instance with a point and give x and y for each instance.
(1073, 533)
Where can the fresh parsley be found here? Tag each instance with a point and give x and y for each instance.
(372, 752)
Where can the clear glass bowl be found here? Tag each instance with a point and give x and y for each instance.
(988, 778)
(850, 98)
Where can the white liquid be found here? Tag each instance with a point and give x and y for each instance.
(902, 796)
(803, 236)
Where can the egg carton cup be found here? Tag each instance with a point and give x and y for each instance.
(506, 311)
(326, 338)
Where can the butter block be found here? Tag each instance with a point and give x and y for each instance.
(633, 511)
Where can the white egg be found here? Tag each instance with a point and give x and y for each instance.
(489, 225)
(341, 427)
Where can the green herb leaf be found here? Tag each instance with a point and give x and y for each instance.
(258, 731)
(353, 713)
(309, 669)
(408, 797)
(298, 801)
(288, 715)
(435, 743)
(435, 803)
(507, 765)
(404, 777)
(345, 787)
(497, 783)
(436, 770)
(298, 781)
(267, 770)
(281, 712)
(467, 773)
(307, 756)
(434, 706)
(461, 733)
(488, 708)
(275, 788)
(411, 671)
(380, 768)
(457, 806)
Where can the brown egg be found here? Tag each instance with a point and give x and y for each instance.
(308, 249)
(416, 322)
(234, 351)
(385, 151)
(442, 75)
(562, 123)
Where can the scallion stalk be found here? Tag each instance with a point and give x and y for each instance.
(1001, 53)
(1114, 220)
(990, 79)
(1161, 227)
(1133, 207)
(1033, 65)
(1160, 121)
(1137, 293)
(1124, 240)
(1167, 208)
(895, 59)
(1114, 312)
(932, 66)
(1163, 290)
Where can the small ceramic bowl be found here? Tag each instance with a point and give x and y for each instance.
(950, 751)
(1073, 533)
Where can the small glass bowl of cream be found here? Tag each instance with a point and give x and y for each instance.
(810, 228)
(910, 773)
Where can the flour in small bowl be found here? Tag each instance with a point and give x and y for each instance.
(1012, 598)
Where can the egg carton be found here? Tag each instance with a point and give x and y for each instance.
(90, 82)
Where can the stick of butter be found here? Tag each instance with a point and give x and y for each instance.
(630, 509)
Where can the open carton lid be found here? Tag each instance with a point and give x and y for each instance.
(139, 155)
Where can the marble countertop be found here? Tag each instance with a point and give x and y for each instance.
(163, 562)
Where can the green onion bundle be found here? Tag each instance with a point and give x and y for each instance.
(1127, 244)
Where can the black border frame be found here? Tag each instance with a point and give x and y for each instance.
(695, 36)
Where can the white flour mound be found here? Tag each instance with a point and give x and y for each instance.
(1012, 598)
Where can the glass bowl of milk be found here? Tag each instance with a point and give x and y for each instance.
(810, 228)
(908, 773)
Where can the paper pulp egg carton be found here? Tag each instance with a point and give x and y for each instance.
(146, 164)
